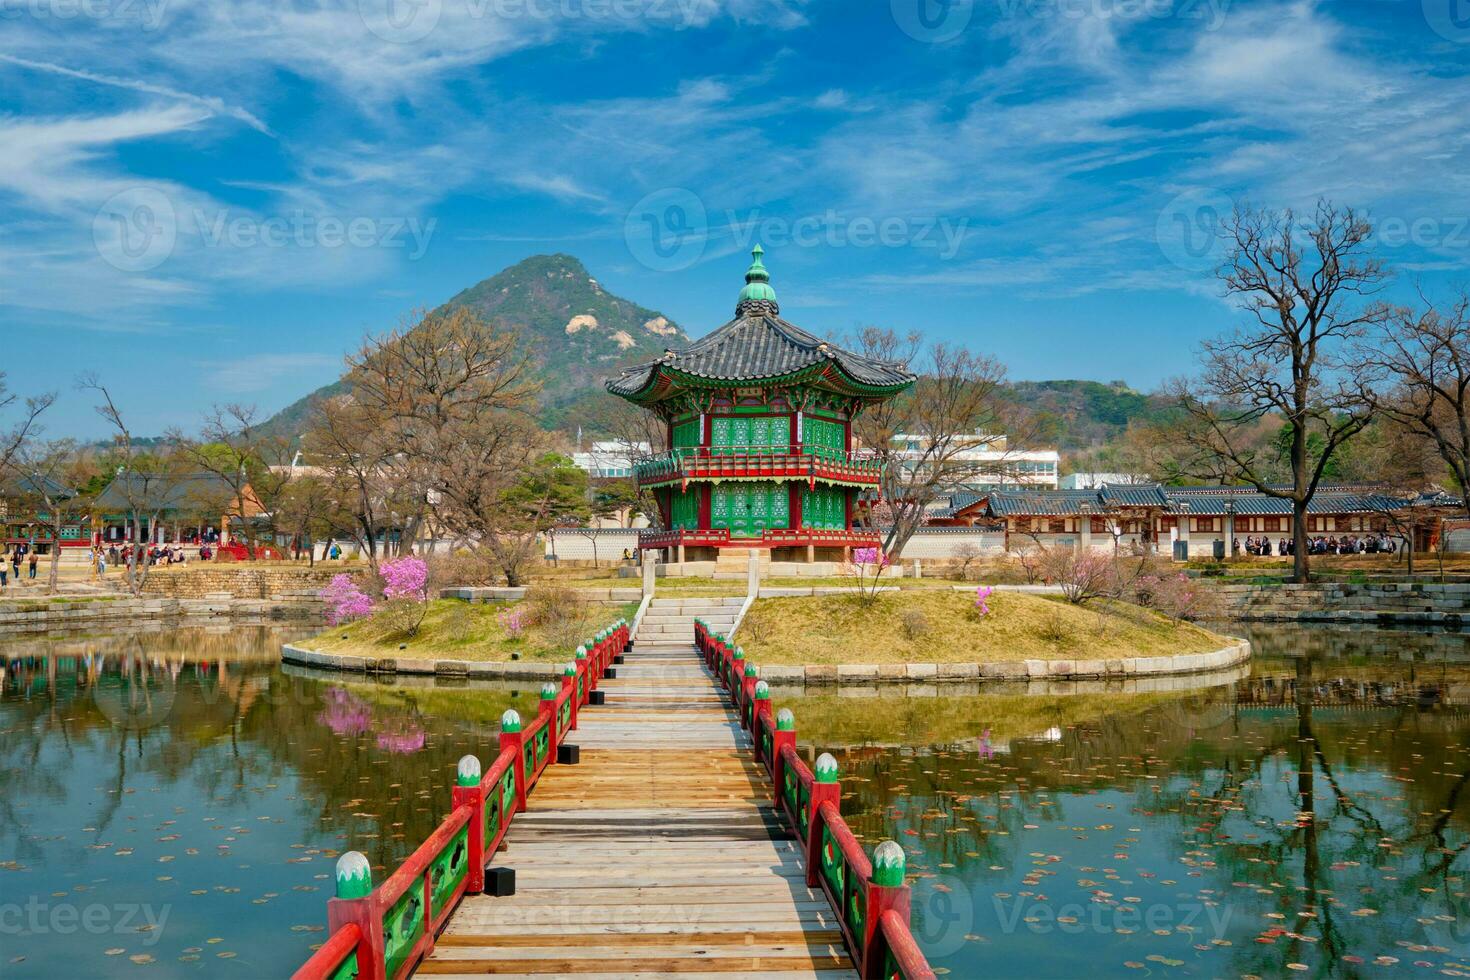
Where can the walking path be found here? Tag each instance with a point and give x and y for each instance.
(661, 853)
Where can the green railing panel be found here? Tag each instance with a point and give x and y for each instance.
(449, 868)
(347, 969)
(402, 927)
(834, 867)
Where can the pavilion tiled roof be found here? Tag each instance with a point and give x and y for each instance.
(757, 346)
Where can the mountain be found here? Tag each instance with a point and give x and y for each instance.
(578, 332)
(1075, 415)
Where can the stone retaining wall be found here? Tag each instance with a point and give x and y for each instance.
(64, 614)
(1381, 602)
(242, 581)
(1010, 670)
(824, 674)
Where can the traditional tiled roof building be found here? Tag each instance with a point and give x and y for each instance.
(1199, 516)
(759, 449)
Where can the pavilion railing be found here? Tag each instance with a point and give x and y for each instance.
(755, 462)
(383, 932)
(771, 537)
(870, 898)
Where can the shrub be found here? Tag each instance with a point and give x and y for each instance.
(406, 591)
(868, 566)
(559, 613)
(1054, 630)
(914, 623)
(345, 600)
(1082, 574)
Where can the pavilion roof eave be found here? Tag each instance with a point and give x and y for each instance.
(664, 382)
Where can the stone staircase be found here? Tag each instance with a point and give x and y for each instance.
(734, 563)
(671, 621)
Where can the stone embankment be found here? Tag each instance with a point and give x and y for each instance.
(74, 614)
(1336, 602)
(224, 580)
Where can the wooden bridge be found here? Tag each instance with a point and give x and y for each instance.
(666, 849)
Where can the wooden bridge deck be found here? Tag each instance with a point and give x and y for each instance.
(661, 854)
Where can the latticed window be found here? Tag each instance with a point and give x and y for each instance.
(823, 434)
(685, 508)
(824, 508)
(687, 434)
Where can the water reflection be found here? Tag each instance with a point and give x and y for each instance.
(1310, 812)
(1312, 817)
(185, 776)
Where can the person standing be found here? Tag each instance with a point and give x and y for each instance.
(32, 562)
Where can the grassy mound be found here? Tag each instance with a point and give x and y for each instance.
(456, 630)
(945, 627)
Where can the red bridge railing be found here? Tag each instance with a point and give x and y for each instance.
(382, 933)
(870, 898)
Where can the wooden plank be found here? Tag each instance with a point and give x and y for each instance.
(733, 937)
(656, 965)
(662, 854)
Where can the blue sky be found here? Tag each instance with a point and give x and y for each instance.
(209, 202)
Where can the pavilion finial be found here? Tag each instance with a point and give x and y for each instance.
(757, 296)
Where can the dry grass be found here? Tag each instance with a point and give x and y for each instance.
(841, 629)
(457, 630)
(829, 720)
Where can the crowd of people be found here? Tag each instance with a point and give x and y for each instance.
(1348, 544)
(21, 557)
(167, 554)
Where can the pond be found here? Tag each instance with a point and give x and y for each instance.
(173, 803)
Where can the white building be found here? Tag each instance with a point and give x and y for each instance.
(1096, 481)
(986, 462)
(610, 460)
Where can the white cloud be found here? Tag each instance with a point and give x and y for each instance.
(257, 372)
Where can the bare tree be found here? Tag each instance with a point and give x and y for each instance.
(144, 487)
(430, 401)
(1307, 291)
(955, 397)
(49, 476)
(14, 438)
(352, 452)
(1425, 356)
(234, 449)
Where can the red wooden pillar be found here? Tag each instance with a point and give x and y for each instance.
(547, 707)
(511, 737)
(469, 792)
(825, 789)
(569, 687)
(783, 737)
(357, 903)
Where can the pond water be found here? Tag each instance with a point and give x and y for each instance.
(172, 803)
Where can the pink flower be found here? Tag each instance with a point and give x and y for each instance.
(512, 621)
(405, 578)
(345, 601)
(982, 594)
(870, 556)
